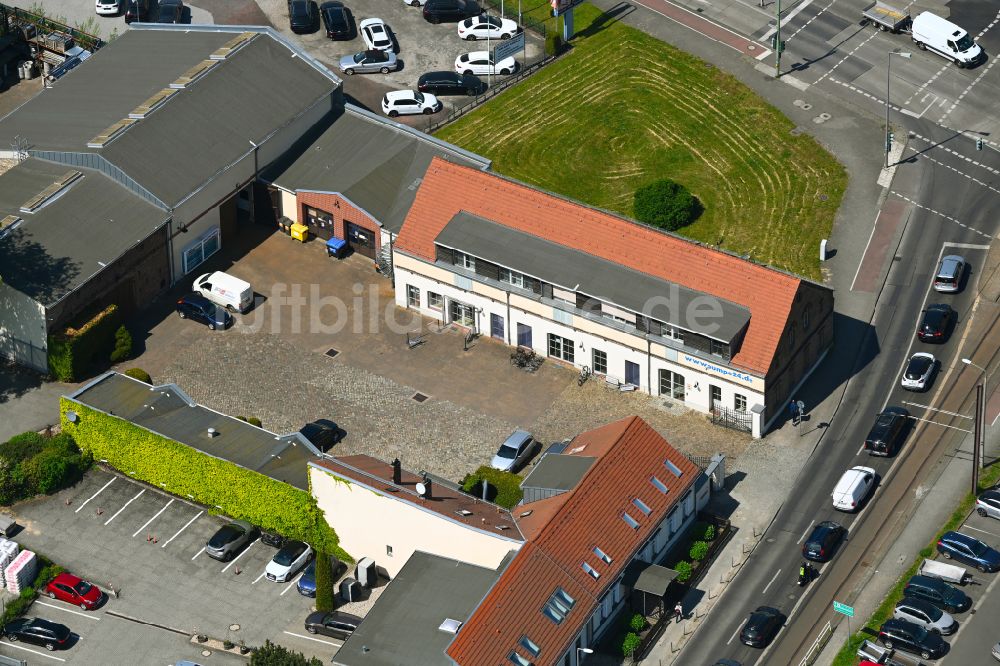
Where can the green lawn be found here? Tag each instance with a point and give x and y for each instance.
(623, 109)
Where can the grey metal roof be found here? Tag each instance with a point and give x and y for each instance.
(402, 626)
(168, 411)
(596, 277)
(650, 578)
(375, 163)
(558, 472)
(64, 243)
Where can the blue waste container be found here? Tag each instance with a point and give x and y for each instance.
(336, 247)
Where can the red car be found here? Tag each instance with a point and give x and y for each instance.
(67, 587)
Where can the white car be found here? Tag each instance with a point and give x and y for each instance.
(288, 560)
(853, 488)
(408, 103)
(483, 26)
(376, 34)
(109, 7)
(919, 372)
(480, 62)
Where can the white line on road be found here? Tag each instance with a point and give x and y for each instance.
(124, 507)
(734, 635)
(764, 591)
(806, 532)
(198, 553)
(152, 519)
(93, 496)
(245, 551)
(970, 527)
(89, 616)
(310, 638)
(259, 577)
(182, 529)
(863, 254)
(291, 585)
(788, 17)
(41, 654)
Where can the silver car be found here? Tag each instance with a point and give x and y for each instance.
(988, 504)
(948, 278)
(919, 372)
(514, 452)
(925, 614)
(368, 61)
(230, 539)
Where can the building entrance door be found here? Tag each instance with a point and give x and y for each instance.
(361, 240)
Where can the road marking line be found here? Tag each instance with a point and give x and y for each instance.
(21, 647)
(184, 528)
(706, 20)
(792, 14)
(89, 616)
(806, 532)
(245, 551)
(152, 519)
(734, 635)
(259, 577)
(960, 173)
(863, 254)
(979, 78)
(938, 213)
(93, 496)
(842, 60)
(125, 507)
(198, 553)
(310, 638)
(764, 591)
(291, 585)
(937, 144)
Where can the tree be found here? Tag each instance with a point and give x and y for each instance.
(271, 654)
(666, 204)
(123, 345)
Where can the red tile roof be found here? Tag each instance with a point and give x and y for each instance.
(590, 515)
(448, 188)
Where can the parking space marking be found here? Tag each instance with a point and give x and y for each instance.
(95, 495)
(320, 640)
(198, 553)
(245, 551)
(152, 519)
(27, 649)
(970, 527)
(182, 529)
(125, 507)
(89, 616)
(291, 584)
(259, 577)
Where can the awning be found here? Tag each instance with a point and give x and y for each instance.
(649, 578)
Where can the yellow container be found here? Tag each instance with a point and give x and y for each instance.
(300, 232)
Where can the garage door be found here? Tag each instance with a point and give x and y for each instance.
(361, 240)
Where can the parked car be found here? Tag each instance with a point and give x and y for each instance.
(853, 488)
(337, 19)
(336, 624)
(368, 61)
(481, 62)
(109, 7)
(137, 10)
(919, 372)
(761, 627)
(451, 83)
(485, 26)
(37, 631)
(910, 637)
(926, 615)
(823, 542)
(230, 539)
(514, 452)
(67, 587)
(436, 11)
(307, 581)
(887, 432)
(996, 652)
(171, 11)
(409, 103)
(375, 34)
(937, 592)
(287, 561)
(936, 324)
(227, 290)
(948, 278)
(988, 504)
(197, 307)
(972, 551)
(302, 16)
(322, 433)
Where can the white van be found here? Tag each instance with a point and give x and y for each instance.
(930, 31)
(223, 289)
(853, 488)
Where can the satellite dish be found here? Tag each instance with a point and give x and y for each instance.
(421, 489)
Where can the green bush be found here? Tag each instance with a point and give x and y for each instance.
(683, 570)
(324, 583)
(140, 374)
(505, 487)
(72, 350)
(22, 447)
(271, 654)
(553, 43)
(184, 471)
(18, 607)
(123, 345)
(630, 644)
(665, 204)
(709, 533)
(637, 623)
(32, 464)
(699, 549)
(252, 420)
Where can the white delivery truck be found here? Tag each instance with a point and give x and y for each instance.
(930, 31)
(223, 289)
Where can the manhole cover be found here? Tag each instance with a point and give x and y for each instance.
(234, 627)
(206, 653)
(331, 352)
(420, 397)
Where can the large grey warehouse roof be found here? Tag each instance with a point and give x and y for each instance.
(404, 625)
(73, 235)
(375, 163)
(596, 277)
(166, 410)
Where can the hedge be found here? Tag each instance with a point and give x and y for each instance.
(505, 485)
(324, 583)
(72, 351)
(185, 471)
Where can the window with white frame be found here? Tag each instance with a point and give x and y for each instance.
(435, 301)
(740, 402)
(562, 348)
(623, 316)
(512, 277)
(412, 296)
(201, 249)
(600, 362)
(466, 261)
(672, 384)
(673, 333)
(564, 295)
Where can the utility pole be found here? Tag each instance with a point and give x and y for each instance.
(777, 42)
(977, 445)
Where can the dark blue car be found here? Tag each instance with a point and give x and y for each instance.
(970, 550)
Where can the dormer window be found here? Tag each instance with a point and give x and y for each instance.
(512, 277)
(466, 261)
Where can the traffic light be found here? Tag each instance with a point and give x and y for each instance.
(776, 45)
(888, 142)
(979, 143)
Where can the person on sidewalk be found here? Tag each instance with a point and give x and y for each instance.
(679, 612)
(793, 409)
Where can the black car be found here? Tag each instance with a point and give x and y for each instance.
(823, 541)
(322, 433)
(338, 20)
(171, 11)
(197, 307)
(452, 11)
(451, 83)
(936, 324)
(336, 624)
(302, 16)
(37, 631)
(937, 592)
(888, 432)
(137, 10)
(903, 635)
(761, 627)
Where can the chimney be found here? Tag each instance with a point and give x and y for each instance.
(397, 472)
(212, 432)
(427, 487)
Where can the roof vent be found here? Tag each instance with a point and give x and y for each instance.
(190, 76)
(8, 224)
(212, 432)
(463, 512)
(152, 103)
(450, 626)
(232, 45)
(525, 514)
(36, 202)
(107, 135)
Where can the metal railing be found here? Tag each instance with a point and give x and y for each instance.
(17, 17)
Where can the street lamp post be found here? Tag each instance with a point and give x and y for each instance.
(980, 430)
(888, 73)
(580, 651)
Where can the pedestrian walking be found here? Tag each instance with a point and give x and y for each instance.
(793, 409)
(679, 612)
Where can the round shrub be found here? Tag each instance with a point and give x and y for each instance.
(123, 345)
(637, 623)
(630, 644)
(140, 374)
(665, 204)
(683, 570)
(699, 549)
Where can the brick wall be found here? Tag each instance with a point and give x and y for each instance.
(342, 211)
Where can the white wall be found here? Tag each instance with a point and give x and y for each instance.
(367, 521)
(23, 331)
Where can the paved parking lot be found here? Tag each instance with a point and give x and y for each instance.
(124, 535)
